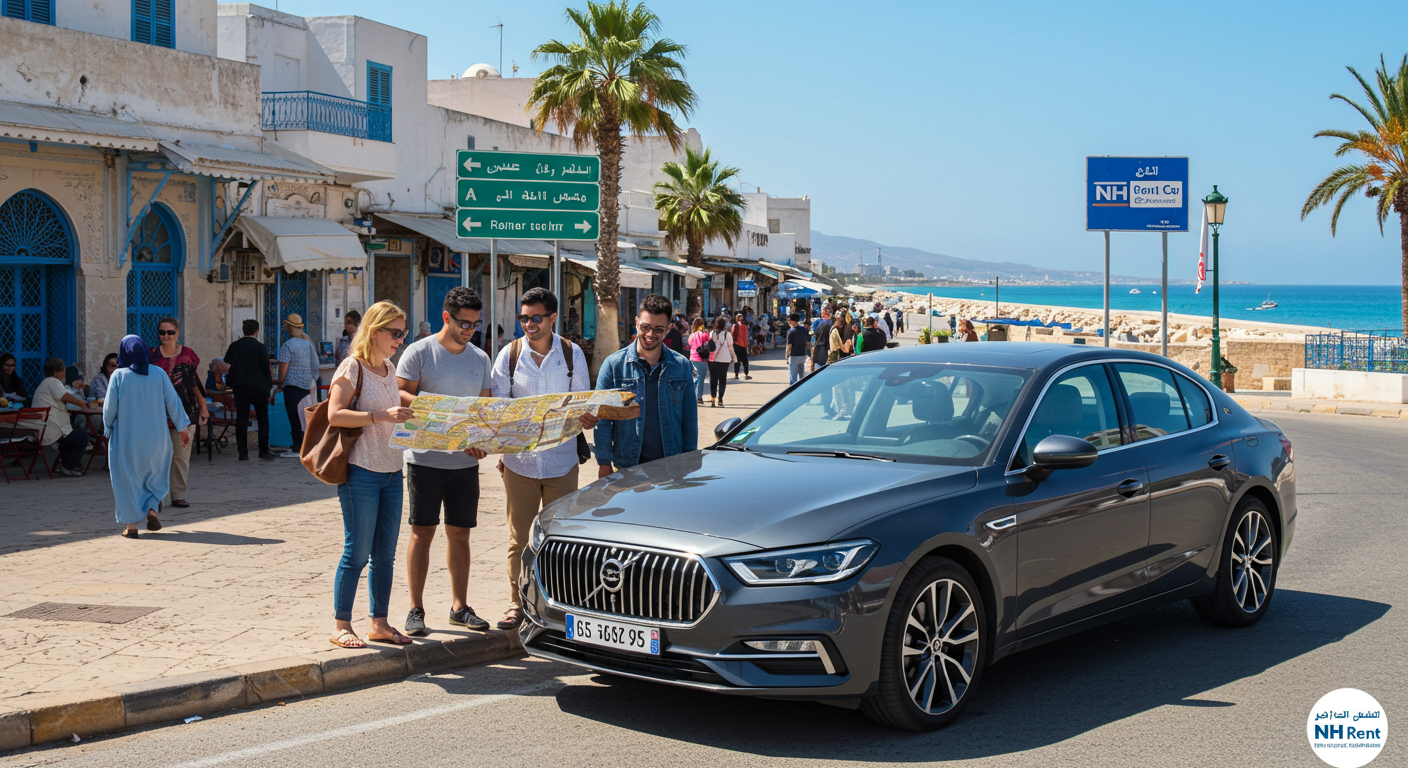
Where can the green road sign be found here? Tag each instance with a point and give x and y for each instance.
(526, 166)
(531, 225)
(540, 195)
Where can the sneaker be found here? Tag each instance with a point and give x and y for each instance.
(750, 378)
(65, 471)
(289, 455)
(465, 617)
(415, 622)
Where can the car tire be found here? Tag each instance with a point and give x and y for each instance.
(926, 679)
(1246, 579)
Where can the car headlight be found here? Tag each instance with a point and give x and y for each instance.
(537, 536)
(805, 565)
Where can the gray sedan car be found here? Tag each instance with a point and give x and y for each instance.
(892, 524)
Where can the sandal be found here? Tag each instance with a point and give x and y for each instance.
(347, 639)
(395, 638)
(129, 534)
(512, 618)
(153, 524)
(180, 503)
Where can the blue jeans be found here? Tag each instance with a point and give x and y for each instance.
(371, 522)
(796, 369)
(701, 378)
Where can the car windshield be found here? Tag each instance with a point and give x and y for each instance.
(915, 412)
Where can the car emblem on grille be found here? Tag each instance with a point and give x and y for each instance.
(611, 574)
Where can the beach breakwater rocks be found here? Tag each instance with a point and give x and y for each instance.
(1257, 349)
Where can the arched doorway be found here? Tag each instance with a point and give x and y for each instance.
(37, 304)
(157, 254)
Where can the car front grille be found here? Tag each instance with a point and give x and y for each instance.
(622, 581)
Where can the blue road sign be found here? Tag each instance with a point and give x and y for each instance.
(1136, 194)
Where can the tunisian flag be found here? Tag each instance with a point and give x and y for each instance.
(1203, 254)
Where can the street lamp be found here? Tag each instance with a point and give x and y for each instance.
(1215, 205)
(996, 283)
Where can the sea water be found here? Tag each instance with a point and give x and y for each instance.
(1349, 307)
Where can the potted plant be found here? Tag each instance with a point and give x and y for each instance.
(942, 337)
(926, 335)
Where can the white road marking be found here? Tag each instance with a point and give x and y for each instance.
(360, 728)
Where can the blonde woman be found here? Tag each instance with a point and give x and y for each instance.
(371, 497)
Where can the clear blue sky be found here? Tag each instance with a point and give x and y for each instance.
(962, 128)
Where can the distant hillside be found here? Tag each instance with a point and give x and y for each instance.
(844, 253)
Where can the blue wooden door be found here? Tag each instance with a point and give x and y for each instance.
(37, 315)
(157, 256)
(288, 295)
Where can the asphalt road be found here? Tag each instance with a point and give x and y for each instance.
(1161, 689)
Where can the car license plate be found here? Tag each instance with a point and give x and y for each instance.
(613, 634)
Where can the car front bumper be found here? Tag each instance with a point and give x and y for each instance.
(846, 618)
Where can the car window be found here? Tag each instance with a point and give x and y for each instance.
(1195, 402)
(907, 411)
(1154, 400)
(1079, 403)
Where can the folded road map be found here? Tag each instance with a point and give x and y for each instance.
(506, 425)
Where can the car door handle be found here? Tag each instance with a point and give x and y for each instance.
(1129, 488)
(1219, 461)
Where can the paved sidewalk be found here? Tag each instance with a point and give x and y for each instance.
(242, 577)
(1253, 400)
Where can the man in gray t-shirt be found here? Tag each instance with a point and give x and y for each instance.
(445, 364)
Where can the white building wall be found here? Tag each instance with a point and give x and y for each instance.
(194, 30)
(498, 98)
(795, 216)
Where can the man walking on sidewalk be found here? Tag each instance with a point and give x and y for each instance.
(668, 424)
(798, 346)
(821, 349)
(250, 382)
(539, 363)
(444, 364)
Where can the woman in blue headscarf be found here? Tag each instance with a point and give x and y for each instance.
(140, 399)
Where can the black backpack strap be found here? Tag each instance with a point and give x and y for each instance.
(567, 355)
(514, 350)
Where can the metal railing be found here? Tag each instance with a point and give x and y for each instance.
(312, 111)
(1375, 351)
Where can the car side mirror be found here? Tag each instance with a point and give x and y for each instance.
(1060, 452)
(726, 426)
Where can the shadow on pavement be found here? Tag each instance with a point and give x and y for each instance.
(210, 537)
(1032, 699)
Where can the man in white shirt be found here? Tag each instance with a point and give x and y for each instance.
(536, 364)
(59, 430)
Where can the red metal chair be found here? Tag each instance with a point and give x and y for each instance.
(16, 447)
(100, 442)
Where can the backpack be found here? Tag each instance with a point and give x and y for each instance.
(584, 451)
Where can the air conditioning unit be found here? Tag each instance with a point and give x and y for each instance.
(249, 268)
(222, 273)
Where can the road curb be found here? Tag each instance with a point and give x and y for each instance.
(44, 718)
(1344, 410)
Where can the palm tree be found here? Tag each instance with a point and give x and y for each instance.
(696, 206)
(1385, 148)
(620, 75)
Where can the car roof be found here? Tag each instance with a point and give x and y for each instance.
(1006, 354)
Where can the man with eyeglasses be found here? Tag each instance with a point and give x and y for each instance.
(539, 363)
(662, 381)
(445, 364)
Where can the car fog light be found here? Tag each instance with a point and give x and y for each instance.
(784, 646)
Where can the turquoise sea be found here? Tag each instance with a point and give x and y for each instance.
(1349, 307)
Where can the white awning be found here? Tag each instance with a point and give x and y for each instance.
(820, 288)
(272, 162)
(630, 277)
(437, 228)
(671, 266)
(296, 245)
(31, 123)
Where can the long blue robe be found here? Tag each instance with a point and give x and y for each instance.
(139, 448)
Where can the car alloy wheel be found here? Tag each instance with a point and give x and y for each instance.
(935, 648)
(1247, 579)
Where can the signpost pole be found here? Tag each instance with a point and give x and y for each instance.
(931, 313)
(370, 282)
(1107, 287)
(557, 283)
(1163, 339)
(492, 325)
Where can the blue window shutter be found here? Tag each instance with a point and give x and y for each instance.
(378, 84)
(42, 11)
(142, 21)
(163, 23)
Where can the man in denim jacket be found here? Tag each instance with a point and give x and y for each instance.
(662, 381)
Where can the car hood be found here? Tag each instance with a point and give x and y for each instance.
(755, 499)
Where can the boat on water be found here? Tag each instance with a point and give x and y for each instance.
(1268, 304)
(1134, 290)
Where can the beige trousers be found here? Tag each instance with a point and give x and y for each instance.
(180, 463)
(526, 498)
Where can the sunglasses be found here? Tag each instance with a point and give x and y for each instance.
(396, 333)
(651, 330)
(467, 325)
(534, 319)
(167, 333)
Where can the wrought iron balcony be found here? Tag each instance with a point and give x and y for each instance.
(312, 111)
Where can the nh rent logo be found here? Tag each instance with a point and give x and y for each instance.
(1111, 192)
